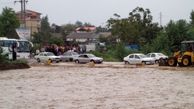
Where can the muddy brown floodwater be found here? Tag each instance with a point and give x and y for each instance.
(70, 87)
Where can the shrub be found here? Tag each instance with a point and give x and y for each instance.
(107, 56)
(18, 64)
(114, 52)
(159, 44)
(3, 57)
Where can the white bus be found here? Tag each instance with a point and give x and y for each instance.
(23, 47)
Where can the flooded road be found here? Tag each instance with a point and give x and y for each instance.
(108, 86)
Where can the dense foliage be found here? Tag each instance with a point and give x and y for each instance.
(44, 34)
(3, 57)
(8, 23)
(139, 29)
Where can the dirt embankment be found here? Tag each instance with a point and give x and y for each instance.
(9, 66)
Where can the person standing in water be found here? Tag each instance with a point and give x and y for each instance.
(14, 51)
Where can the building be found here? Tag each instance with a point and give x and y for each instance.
(32, 20)
(82, 37)
(86, 29)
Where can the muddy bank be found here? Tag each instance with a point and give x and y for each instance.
(64, 87)
(10, 66)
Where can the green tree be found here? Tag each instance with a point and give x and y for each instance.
(56, 40)
(45, 25)
(121, 51)
(174, 33)
(8, 23)
(137, 28)
(87, 24)
(191, 29)
(44, 35)
(177, 32)
(67, 29)
(159, 44)
(1, 28)
(78, 23)
(192, 18)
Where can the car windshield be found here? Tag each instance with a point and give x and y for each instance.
(142, 56)
(50, 54)
(91, 55)
(160, 54)
(74, 53)
(148, 55)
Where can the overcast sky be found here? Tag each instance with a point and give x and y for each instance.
(97, 12)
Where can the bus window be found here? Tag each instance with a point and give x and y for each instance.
(1, 43)
(24, 46)
(7, 43)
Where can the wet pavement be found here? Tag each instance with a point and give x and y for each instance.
(110, 85)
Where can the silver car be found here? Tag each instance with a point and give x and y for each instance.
(138, 58)
(69, 56)
(45, 56)
(85, 58)
(157, 56)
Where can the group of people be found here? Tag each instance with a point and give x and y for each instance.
(59, 50)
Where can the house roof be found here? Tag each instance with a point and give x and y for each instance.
(82, 35)
(29, 11)
(86, 28)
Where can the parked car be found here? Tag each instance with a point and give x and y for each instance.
(85, 58)
(157, 56)
(45, 56)
(69, 56)
(138, 58)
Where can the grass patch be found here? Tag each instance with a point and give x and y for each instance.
(107, 56)
(18, 64)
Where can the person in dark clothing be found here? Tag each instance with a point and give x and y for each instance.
(14, 51)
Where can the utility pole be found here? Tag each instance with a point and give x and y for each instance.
(23, 12)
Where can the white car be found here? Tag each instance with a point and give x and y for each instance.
(138, 58)
(85, 58)
(157, 56)
(69, 56)
(45, 56)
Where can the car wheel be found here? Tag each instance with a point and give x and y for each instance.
(77, 61)
(144, 63)
(162, 62)
(71, 59)
(49, 60)
(126, 62)
(172, 61)
(186, 61)
(38, 60)
(92, 61)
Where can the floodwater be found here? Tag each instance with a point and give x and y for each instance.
(82, 87)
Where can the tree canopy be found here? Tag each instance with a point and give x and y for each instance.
(8, 23)
(44, 34)
(137, 28)
(192, 18)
